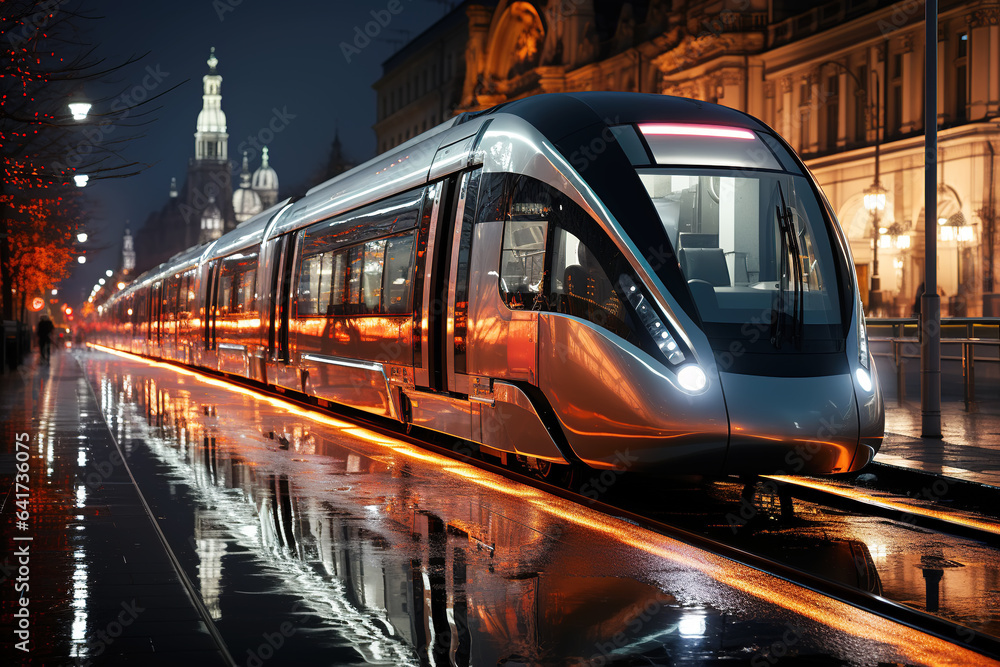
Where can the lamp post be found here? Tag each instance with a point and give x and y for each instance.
(874, 203)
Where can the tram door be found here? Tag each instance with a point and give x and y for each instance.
(445, 301)
(278, 352)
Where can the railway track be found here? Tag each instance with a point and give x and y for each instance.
(829, 495)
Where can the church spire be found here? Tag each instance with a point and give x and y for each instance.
(128, 251)
(245, 172)
(210, 138)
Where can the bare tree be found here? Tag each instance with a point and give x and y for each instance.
(47, 64)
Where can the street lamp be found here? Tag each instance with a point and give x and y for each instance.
(875, 203)
(82, 237)
(79, 106)
(81, 180)
(79, 110)
(109, 273)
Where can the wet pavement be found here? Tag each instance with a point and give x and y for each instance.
(968, 450)
(310, 540)
(98, 582)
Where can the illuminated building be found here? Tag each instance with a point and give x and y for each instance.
(815, 71)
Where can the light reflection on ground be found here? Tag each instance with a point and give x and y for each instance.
(376, 551)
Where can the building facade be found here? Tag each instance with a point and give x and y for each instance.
(841, 80)
(423, 83)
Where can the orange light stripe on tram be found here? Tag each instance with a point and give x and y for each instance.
(915, 645)
(884, 503)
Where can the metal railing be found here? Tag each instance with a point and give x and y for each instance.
(972, 333)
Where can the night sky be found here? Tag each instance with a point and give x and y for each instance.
(272, 55)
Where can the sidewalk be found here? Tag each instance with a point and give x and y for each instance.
(103, 589)
(969, 449)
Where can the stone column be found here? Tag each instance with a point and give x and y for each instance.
(842, 98)
(787, 110)
(814, 108)
(984, 63)
(909, 115)
(979, 66)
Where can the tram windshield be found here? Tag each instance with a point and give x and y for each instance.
(751, 245)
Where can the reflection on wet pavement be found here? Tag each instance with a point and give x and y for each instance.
(322, 542)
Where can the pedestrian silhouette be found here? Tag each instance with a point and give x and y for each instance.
(44, 330)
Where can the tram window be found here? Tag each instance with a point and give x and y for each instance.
(186, 297)
(182, 299)
(170, 298)
(225, 293)
(398, 274)
(356, 263)
(338, 286)
(388, 216)
(237, 284)
(730, 244)
(367, 279)
(522, 262)
(244, 284)
(555, 257)
(310, 280)
(371, 279)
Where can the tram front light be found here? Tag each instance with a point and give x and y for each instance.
(658, 331)
(864, 379)
(862, 336)
(692, 378)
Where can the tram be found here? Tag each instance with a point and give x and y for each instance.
(624, 281)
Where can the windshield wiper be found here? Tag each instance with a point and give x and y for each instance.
(789, 245)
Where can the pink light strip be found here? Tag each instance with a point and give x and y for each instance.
(695, 131)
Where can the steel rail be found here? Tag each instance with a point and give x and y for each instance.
(823, 493)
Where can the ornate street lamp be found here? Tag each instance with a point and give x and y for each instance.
(875, 203)
(79, 106)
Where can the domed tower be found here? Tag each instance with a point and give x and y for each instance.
(265, 181)
(211, 142)
(246, 202)
(208, 177)
(128, 253)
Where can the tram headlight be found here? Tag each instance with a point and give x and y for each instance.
(864, 379)
(692, 378)
(658, 330)
(862, 336)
